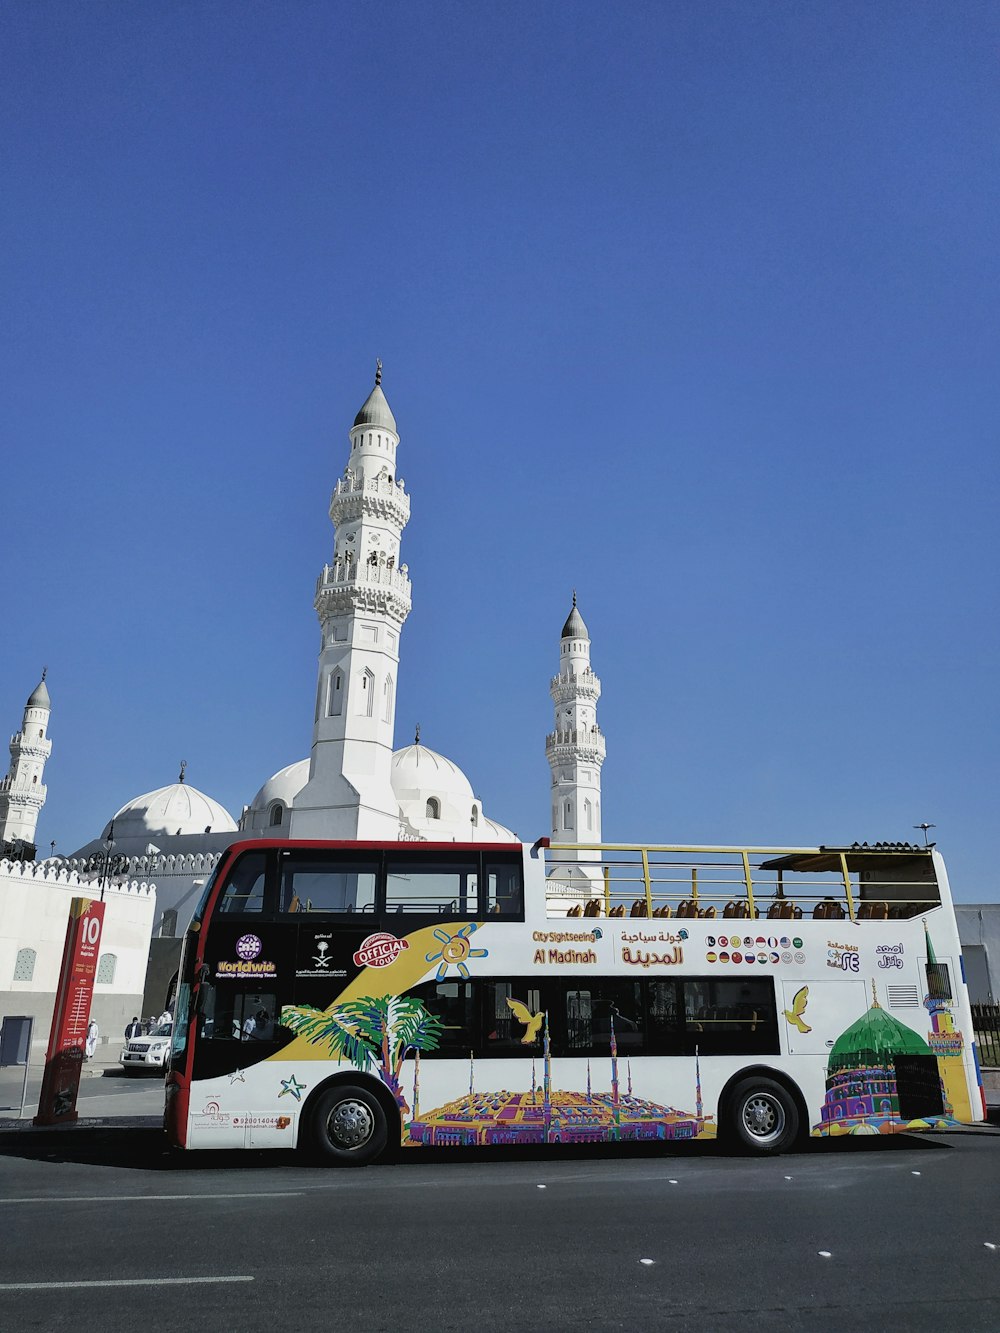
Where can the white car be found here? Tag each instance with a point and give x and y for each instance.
(150, 1052)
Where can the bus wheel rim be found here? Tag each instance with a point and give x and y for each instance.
(350, 1124)
(763, 1117)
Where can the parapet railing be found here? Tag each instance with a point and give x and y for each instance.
(737, 883)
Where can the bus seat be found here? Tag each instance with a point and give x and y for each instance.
(708, 912)
(576, 910)
(618, 911)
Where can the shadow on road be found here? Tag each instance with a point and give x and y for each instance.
(144, 1147)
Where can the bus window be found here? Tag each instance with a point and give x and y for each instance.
(730, 1017)
(504, 889)
(592, 1013)
(512, 1018)
(442, 888)
(244, 890)
(309, 884)
(228, 1014)
(666, 1026)
(454, 1004)
(938, 981)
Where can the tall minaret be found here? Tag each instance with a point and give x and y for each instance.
(362, 600)
(575, 751)
(22, 793)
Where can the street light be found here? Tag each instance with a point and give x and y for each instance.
(107, 864)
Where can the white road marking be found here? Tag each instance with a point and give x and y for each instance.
(647, 1261)
(158, 1198)
(824, 1254)
(671, 1182)
(914, 1173)
(989, 1244)
(540, 1187)
(118, 1282)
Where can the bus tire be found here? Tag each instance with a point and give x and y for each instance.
(348, 1126)
(763, 1116)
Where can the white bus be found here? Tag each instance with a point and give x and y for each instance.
(356, 998)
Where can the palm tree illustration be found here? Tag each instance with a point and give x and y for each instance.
(371, 1032)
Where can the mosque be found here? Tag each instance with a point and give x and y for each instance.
(354, 784)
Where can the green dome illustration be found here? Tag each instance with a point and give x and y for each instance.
(873, 1040)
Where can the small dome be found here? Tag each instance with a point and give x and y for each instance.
(376, 411)
(284, 786)
(168, 811)
(417, 771)
(39, 695)
(873, 1040)
(574, 627)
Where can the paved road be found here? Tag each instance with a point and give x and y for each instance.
(496, 1242)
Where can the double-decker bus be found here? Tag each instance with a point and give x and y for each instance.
(355, 998)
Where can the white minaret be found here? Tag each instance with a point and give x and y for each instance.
(22, 793)
(575, 751)
(362, 600)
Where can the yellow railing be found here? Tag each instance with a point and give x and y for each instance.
(740, 883)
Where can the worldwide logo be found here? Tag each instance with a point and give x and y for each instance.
(379, 950)
(248, 947)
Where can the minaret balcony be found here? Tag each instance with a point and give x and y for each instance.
(373, 587)
(380, 498)
(29, 746)
(565, 688)
(589, 743)
(21, 792)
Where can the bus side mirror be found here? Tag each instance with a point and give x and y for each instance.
(200, 982)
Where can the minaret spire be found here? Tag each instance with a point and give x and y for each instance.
(22, 793)
(362, 601)
(575, 751)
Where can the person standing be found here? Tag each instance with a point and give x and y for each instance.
(90, 1043)
(134, 1029)
(165, 1017)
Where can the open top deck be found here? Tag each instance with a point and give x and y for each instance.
(883, 882)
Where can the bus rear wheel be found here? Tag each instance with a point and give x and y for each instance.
(763, 1117)
(348, 1125)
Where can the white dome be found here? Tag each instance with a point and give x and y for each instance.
(283, 786)
(418, 772)
(168, 811)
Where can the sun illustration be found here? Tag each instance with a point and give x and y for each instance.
(455, 950)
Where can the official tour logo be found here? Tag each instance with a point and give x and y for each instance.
(379, 950)
(248, 947)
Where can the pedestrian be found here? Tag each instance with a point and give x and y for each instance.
(165, 1017)
(150, 1025)
(90, 1044)
(134, 1029)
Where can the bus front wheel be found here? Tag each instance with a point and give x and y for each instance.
(763, 1117)
(348, 1125)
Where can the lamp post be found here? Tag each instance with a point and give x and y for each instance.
(107, 864)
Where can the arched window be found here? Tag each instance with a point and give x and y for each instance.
(387, 700)
(588, 815)
(106, 969)
(24, 967)
(568, 815)
(475, 816)
(335, 695)
(366, 702)
(168, 926)
(433, 808)
(275, 817)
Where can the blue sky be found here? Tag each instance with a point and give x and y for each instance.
(692, 307)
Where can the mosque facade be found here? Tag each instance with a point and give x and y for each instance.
(354, 784)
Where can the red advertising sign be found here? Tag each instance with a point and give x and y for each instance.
(64, 1058)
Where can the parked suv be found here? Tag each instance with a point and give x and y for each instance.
(150, 1052)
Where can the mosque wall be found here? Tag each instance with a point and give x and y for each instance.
(34, 909)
